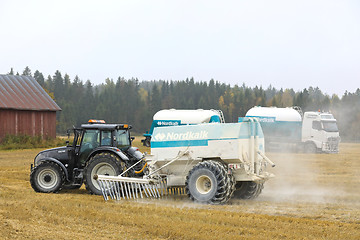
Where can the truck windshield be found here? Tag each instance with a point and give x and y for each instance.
(330, 126)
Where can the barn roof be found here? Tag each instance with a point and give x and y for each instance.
(24, 93)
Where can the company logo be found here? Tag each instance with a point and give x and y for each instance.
(163, 123)
(160, 136)
(181, 136)
(266, 119)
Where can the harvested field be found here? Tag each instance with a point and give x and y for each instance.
(313, 196)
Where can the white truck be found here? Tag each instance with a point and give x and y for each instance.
(289, 129)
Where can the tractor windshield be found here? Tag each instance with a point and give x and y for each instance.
(330, 126)
(122, 139)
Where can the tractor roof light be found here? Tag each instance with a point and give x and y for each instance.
(96, 121)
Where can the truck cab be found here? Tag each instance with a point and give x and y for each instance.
(320, 132)
(291, 129)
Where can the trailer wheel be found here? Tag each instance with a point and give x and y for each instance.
(231, 182)
(48, 177)
(100, 164)
(208, 182)
(248, 190)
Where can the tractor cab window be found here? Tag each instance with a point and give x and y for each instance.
(77, 138)
(91, 140)
(122, 139)
(106, 138)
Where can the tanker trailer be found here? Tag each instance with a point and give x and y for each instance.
(210, 163)
(287, 129)
(175, 117)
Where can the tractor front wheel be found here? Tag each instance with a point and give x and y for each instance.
(101, 164)
(47, 177)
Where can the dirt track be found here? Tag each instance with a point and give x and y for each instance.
(311, 197)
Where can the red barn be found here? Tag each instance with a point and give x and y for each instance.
(25, 108)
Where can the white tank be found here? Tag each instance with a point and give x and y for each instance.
(187, 116)
(280, 114)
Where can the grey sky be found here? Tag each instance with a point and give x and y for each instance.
(288, 44)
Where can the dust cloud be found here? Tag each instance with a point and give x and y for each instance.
(299, 179)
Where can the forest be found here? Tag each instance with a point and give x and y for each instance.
(135, 102)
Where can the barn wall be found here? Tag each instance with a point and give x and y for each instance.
(33, 123)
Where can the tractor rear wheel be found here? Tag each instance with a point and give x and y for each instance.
(47, 177)
(101, 164)
(208, 182)
(248, 190)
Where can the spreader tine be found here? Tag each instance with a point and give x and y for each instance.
(153, 187)
(158, 189)
(144, 189)
(112, 190)
(140, 192)
(122, 189)
(131, 190)
(128, 190)
(134, 190)
(155, 191)
(105, 190)
(148, 187)
(102, 190)
(118, 195)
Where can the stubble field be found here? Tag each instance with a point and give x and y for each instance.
(313, 196)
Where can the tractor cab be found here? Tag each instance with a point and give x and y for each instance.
(97, 135)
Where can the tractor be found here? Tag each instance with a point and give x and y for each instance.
(98, 149)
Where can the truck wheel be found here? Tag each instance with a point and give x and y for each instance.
(101, 164)
(310, 148)
(208, 182)
(48, 177)
(248, 190)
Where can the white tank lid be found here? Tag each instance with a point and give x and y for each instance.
(186, 116)
(280, 114)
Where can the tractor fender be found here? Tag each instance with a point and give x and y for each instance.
(115, 151)
(50, 159)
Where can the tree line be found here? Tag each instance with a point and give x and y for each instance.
(135, 102)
